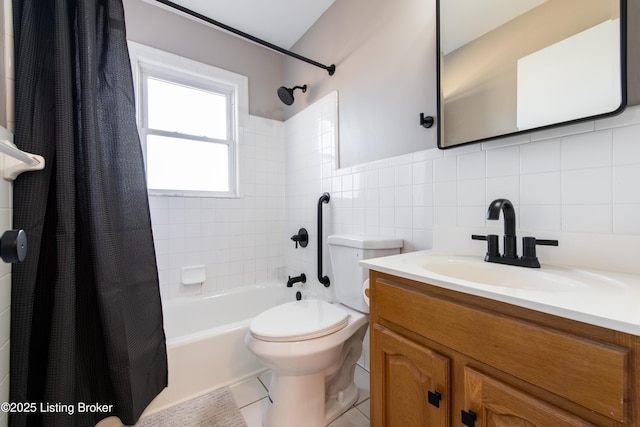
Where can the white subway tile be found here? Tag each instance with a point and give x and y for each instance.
(471, 192)
(403, 217)
(423, 218)
(626, 219)
(404, 196)
(387, 177)
(504, 187)
(404, 174)
(587, 186)
(387, 217)
(540, 157)
(387, 197)
(625, 184)
(471, 166)
(445, 193)
(589, 150)
(419, 172)
(444, 169)
(587, 218)
(503, 161)
(471, 216)
(445, 216)
(626, 145)
(541, 189)
(541, 217)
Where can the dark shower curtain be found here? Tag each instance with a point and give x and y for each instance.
(86, 318)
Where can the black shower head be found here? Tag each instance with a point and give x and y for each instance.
(286, 94)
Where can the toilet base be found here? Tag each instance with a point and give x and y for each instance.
(339, 405)
(296, 401)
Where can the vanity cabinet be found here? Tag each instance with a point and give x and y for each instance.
(413, 375)
(445, 358)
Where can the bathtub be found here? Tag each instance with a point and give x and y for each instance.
(205, 340)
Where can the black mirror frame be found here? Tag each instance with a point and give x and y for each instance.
(624, 17)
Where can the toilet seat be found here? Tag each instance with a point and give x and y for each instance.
(299, 321)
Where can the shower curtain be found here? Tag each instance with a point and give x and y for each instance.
(87, 339)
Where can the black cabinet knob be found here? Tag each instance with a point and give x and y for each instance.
(469, 418)
(434, 398)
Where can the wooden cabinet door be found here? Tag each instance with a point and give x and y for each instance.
(495, 404)
(410, 383)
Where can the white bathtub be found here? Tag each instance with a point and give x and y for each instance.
(205, 340)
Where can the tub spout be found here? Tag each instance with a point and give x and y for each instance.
(293, 280)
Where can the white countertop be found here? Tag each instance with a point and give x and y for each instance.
(602, 298)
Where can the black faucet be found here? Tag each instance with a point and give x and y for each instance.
(509, 215)
(293, 280)
(510, 256)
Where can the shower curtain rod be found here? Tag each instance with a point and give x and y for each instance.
(330, 68)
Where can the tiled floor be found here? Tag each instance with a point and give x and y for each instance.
(251, 395)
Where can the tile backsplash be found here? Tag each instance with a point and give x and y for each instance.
(580, 178)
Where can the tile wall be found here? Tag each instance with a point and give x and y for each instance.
(238, 240)
(573, 179)
(6, 196)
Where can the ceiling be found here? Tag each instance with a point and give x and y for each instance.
(283, 22)
(280, 22)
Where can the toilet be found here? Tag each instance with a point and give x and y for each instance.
(312, 346)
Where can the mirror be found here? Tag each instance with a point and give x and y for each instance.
(507, 67)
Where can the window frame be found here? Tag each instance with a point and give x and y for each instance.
(148, 62)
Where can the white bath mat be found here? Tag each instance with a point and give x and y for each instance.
(215, 409)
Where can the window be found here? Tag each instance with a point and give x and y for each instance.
(188, 125)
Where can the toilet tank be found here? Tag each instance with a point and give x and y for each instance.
(346, 251)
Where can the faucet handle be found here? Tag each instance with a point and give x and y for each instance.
(302, 237)
(492, 244)
(529, 247)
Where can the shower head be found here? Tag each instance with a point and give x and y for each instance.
(286, 94)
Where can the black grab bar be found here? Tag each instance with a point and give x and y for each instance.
(322, 279)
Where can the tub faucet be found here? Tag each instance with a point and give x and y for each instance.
(293, 280)
(509, 215)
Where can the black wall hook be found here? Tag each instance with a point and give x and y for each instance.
(426, 121)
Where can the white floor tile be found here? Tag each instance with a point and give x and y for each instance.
(352, 418)
(265, 379)
(361, 378)
(248, 392)
(252, 414)
(365, 408)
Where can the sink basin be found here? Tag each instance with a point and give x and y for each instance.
(476, 270)
(603, 298)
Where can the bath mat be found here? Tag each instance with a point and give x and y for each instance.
(215, 409)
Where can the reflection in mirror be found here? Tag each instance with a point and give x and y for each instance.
(513, 66)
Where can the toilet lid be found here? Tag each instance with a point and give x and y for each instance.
(298, 321)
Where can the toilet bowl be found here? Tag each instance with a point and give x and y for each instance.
(302, 360)
(312, 346)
